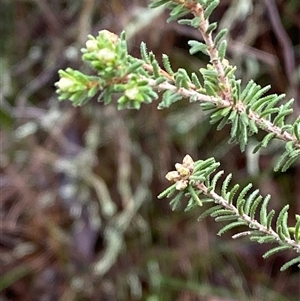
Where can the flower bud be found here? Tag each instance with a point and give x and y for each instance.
(91, 45)
(132, 93)
(106, 55)
(188, 162)
(109, 35)
(182, 170)
(181, 185)
(172, 176)
(65, 83)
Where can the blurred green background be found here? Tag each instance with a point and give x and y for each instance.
(79, 215)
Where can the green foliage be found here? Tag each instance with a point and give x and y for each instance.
(107, 55)
(247, 110)
(236, 208)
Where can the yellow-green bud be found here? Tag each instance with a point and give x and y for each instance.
(106, 55)
(91, 45)
(65, 83)
(132, 93)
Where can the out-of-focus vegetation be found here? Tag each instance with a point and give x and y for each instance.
(79, 215)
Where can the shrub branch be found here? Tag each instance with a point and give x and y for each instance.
(245, 108)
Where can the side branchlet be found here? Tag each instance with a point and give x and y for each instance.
(243, 209)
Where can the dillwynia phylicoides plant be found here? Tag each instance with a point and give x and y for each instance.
(136, 81)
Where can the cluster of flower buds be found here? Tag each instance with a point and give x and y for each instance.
(101, 51)
(183, 171)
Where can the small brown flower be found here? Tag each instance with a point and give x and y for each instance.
(181, 175)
